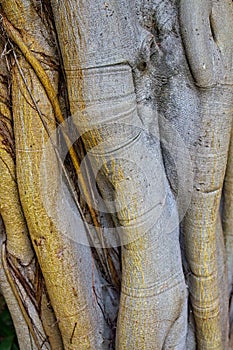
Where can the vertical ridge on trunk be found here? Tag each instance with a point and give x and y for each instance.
(209, 49)
(103, 107)
(58, 258)
(18, 261)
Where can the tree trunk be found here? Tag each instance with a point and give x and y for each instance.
(116, 164)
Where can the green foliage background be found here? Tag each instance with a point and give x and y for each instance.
(8, 339)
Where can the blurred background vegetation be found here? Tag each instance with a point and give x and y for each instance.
(8, 339)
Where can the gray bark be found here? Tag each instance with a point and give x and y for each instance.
(149, 90)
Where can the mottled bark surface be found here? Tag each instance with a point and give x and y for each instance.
(116, 173)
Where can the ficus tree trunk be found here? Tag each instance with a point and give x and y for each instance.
(116, 173)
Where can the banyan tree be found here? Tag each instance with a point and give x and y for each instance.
(116, 173)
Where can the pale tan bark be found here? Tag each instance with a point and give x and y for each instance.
(109, 61)
(18, 261)
(227, 214)
(68, 289)
(103, 107)
(209, 50)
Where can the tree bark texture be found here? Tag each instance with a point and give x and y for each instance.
(116, 173)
